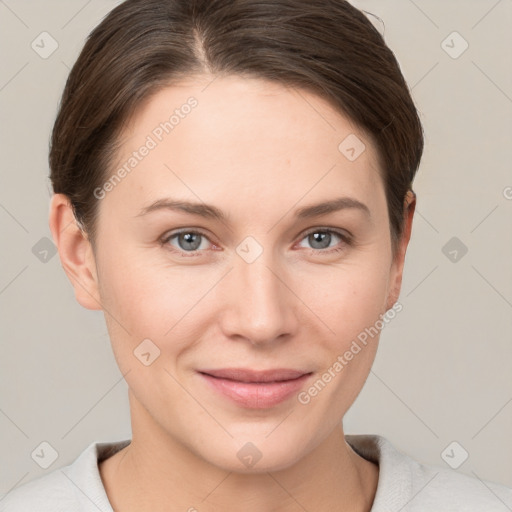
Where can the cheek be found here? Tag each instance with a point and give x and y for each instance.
(351, 304)
(346, 298)
(147, 298)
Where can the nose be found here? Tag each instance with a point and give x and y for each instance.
(260, 306)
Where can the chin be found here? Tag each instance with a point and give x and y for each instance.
(256, 453)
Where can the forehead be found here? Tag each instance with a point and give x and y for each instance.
(210, 137)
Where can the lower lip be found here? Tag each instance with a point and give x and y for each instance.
(256, 395)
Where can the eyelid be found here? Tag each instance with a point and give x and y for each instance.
(164, 239)
(346, 236)
(347, 240)
(340, 232)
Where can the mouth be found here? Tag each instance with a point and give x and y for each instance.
(260, 376)
(255, 389)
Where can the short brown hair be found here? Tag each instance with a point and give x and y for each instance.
(327, 47)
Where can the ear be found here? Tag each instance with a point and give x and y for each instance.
(75, 252)
(397, 265)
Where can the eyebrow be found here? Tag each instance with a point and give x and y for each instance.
(212, 212)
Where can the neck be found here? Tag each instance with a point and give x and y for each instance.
(155, 471)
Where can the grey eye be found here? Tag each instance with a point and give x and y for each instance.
(187, 241)
(320, 239)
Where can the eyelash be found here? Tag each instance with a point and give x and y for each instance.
(347, 241)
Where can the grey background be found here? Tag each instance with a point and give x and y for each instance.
(443, 369)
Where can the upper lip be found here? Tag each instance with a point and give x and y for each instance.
(246, 375)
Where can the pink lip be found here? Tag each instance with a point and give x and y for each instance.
(256, 389)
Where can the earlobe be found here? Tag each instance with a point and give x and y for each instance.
(75, 252)
(399, 260)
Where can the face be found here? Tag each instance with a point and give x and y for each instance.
(251, 277)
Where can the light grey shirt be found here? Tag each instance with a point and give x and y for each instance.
(404, 484)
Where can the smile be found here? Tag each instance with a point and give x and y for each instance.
(255, 389)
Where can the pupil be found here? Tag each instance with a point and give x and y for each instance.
(189, 239)
(321, 237)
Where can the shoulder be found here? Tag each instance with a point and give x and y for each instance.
(51, 492)
(75, 487)
(436, 487)
(410, 486)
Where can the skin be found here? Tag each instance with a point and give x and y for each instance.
(258, 151)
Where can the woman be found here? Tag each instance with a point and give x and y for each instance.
(233, 188)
